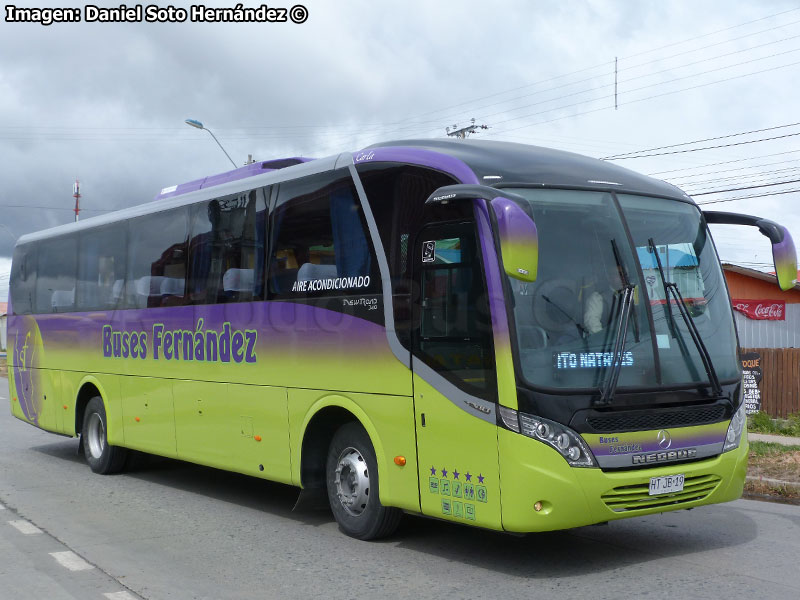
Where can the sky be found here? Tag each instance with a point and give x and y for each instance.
(105, 102)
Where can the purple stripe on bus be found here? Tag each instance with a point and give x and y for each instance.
(416, 156)
(250, 170)
(310, 325)
(700, 438)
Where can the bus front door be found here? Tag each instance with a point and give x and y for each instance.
(454, 378)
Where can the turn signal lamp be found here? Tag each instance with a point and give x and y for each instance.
(400, 461)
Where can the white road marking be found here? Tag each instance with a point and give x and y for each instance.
(119, 596)
(2, 507)
(71, 561)
(25, 527)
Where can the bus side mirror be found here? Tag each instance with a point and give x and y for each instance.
(519, 240)
(784, 254)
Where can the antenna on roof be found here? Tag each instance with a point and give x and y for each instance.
(464, 131)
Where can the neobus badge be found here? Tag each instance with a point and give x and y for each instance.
(657, 457)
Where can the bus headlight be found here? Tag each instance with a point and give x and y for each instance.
(562, 439)
(735, 429)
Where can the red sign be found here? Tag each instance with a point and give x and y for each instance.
(772, 310)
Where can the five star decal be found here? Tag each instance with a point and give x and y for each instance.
(456, 474)
(458, 494)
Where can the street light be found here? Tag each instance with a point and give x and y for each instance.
(198, 125)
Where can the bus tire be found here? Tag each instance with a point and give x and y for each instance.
(102, 457)
(352, 480)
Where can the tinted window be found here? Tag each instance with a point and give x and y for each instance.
(319, 244)
(397, 199)
(23, 278)
(226, 250)
(101, 268)
(55, 274)
(455, 334)
(156, 273)
(396, 196)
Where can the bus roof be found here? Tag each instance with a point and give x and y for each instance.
(255, 168)
(503, 163)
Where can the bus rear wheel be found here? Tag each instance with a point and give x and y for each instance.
(352, 482)
(102, 457)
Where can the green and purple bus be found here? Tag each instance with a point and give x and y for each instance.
(500, 335)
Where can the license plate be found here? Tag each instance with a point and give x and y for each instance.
(666, 485)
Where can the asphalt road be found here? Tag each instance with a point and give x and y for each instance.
(168, 530)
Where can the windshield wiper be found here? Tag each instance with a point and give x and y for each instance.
(623, 274)
(624, 313)
(672, 287)
(623, 317)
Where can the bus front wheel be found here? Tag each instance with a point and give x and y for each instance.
(101, 456)
(352, 482)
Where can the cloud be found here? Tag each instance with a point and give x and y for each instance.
(106, 102)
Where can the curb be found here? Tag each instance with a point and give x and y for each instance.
(774, 439)
(775, 483)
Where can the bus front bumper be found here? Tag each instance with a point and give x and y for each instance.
(534, 476)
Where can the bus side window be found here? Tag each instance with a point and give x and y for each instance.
(23, 279)
(156, 273)
(226, 249)
(319, 244)
(101, 268)
(56, 271)
(396, 195)
(454, 334)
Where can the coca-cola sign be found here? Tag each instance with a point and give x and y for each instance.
(772, 310)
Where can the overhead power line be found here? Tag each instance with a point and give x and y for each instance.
(750, 187)
(737, 169)
(724, 162)
(777, 137)
(609, 63)
(773, 178)
(792, 191)
(766, 176)
(670, 93)
(624, 81)
(719, 137)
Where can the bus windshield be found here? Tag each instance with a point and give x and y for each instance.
(590, 248)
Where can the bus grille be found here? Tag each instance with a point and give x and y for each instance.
(645, 421)
(636, 497)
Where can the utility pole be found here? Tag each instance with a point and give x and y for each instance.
(76, 193)
(464, 131)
